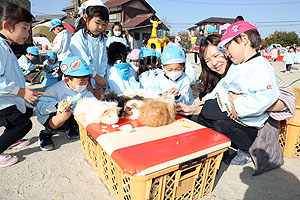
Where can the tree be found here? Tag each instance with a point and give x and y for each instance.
(76, 4)
(282, 37)
(185, 39)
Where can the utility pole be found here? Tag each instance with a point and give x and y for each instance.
(77, 4)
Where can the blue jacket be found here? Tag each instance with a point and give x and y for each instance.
(147, 79)
(163, 85)
(11, 79)
(115, 83)
(26, 65)
(92, 50)
(46, 104)
(61, 44)
(254, 79)
(50, 67)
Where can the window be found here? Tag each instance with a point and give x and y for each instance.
(136, 35)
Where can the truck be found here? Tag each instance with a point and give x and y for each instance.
(21, 49)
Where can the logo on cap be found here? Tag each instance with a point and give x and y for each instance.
(168, 55)
(64, 67)
(236, 28)
(75, 64)
(52, 24)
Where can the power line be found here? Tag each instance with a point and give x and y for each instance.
(236, 4)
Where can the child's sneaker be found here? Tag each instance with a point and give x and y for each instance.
(45, 141)
(19, 144)
(7, 160)
(241, 158)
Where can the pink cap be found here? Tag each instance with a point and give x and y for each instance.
(233, 30)
(135, 54)
(173, 44)
(298, 48)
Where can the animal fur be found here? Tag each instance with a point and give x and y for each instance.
(157, 112)
(113, 97)
(132, 108)
(89, 110)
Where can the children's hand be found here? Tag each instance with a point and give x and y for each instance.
(55, 71)
(233, 96)
(174, 91)
(63, 116)
(63, 106)
(233, 114)
(183, 109)
(28, 94)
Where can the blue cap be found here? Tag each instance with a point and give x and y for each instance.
(75, 66)
(54, 23)
(51, 55)
(212, 29)
(33, 50)
(172, 55)
(148, 52)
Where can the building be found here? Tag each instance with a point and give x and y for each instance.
(134, 15)
(211, 21)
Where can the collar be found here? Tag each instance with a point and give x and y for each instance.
(254, 56)
(93, 35)
(4, 38)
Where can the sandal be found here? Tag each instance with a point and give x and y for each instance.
(7, 160)
(19, 144)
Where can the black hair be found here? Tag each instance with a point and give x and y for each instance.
(116, 51)
(153, 46)
(117, 24)
(92, 11)
(147, 61)
(253, 36)
(208, 78)
(292, 48)
(239, 18)
(14, 14)
(71, 77)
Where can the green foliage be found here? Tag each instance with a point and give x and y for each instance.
(282, 37)
(185, 39)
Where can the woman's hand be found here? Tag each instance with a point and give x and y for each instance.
(233, 96)
(233, 114)
(183, 109)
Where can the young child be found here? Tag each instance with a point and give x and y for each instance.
(14, 111)
(120, 76)
(51, 64)
(135, 57)
(89, 43)
(54, 110)
(117, 35)
(25, 62)
(289, 59)
(61, 41)
(174, 81)
(297, 59)
(148, 69)
(251, 76)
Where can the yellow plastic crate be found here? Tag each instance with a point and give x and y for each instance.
(189, 180)
(289, 136)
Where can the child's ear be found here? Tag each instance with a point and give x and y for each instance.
(67, 80)
(245, 40)
(85, 16)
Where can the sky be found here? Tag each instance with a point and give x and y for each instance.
(268, 15)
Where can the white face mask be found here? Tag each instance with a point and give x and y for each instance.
(117, 33)
(80, 88)
(173, 75)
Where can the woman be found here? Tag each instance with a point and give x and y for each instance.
(215, 66)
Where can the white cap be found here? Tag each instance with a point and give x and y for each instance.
(89, 3)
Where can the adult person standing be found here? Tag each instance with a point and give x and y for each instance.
(214, 66)
(200, 37)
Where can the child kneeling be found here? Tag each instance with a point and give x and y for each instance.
(54, 110)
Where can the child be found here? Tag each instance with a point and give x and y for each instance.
(120, 76)
(135, 57)
(89, 43)
(54, 110)
(61, 42)
(297, 59)
(14, 113)
(25, 62)
(174, 81)
(117, 37)
(289, 59)
(250, 75)
(51, 64)
(148, 69)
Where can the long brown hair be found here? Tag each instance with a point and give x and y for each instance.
(208, 78)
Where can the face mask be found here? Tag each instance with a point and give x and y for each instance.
(117, 33)
(173, 75)
(80, 88)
